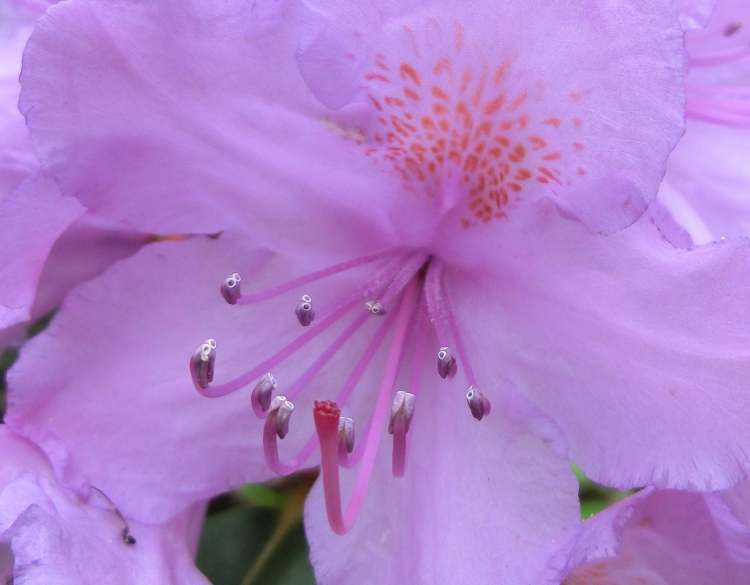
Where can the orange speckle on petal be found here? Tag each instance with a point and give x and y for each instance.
(494, 105)
(408, 72)
(377, 77)
(411, 94)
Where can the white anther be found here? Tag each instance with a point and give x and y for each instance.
(402, 411)
(281, 409)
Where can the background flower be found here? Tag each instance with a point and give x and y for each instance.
(48, 536)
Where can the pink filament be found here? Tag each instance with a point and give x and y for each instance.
(450, 316)
(311, 277)
(412, 265)
(398, 455)
(435, 303)
(270, 444)
(420, 337)
(297, 388)
(281, 355)
(271, 449)
(328, 438)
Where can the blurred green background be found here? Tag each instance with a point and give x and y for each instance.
(255, 535)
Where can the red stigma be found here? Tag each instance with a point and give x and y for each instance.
(326, 413)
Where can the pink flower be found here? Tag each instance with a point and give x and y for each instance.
(708, 180)
(49, 242)
(49, 536)
(453, 167)
(661, 537)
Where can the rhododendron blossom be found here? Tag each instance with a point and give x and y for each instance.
(660, 537)
(47, 535)
(430, 262)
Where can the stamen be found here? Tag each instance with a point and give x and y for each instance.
(402, 411)
(478, 404)
(260, 397)
(270, 447)
(277, 290)
(270, 363)
(446, 363)
(279, 414)
(230, 288)
(450, 317)
(327, 422)
(202, 363)
(346, 435)
(375, 308)
(304, 311)
(412, 265)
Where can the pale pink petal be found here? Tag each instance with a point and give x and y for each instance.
(663, 537)
(481, 502)
(106, 390)
(707, 187)
(51, 537)
(31, 221)
(17, 161)
(637, 349)
(511, 101)
(695, 13)
(219, 130)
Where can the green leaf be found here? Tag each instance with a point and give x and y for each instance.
(259, 539)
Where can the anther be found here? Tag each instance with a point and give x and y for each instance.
(230, 288)
(261, 395)
(446, 363)
(202, 363)
(346, 434)
(375, 308)
(304, 311)
(402, 411)
(478, 404)
(281, 409)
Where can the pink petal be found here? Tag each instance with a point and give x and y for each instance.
(638, 350)
(588, 110)
(481, 502)
(664, 537)
(707, 187)
(31, 221)
(51, 537)
(17, 160)
(219, 130)
(116, 355)
(695, 13)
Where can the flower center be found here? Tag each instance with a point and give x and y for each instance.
(407, 291)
